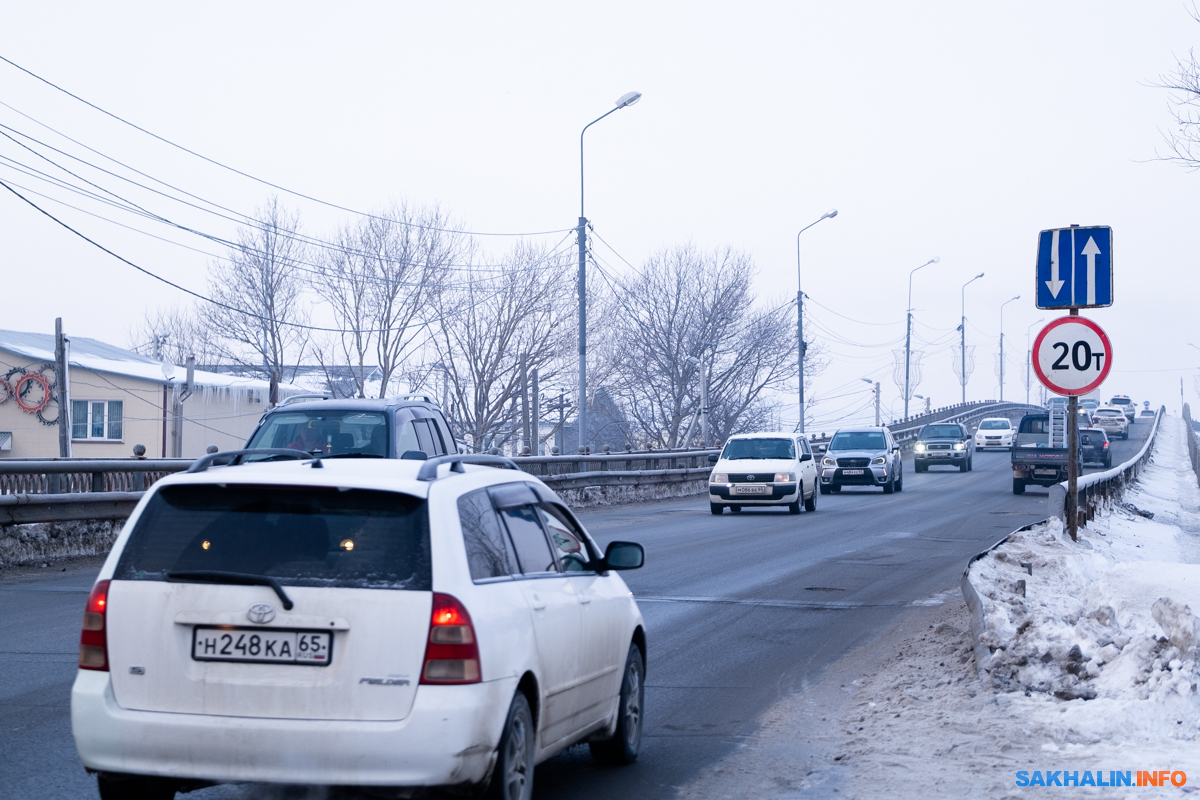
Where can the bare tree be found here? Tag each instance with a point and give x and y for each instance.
(1183, 83)
(483, 326)
(687, 304)
(172, 334)
(259, 286)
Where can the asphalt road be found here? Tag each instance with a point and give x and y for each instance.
(740, 610)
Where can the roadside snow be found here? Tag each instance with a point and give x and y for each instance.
(1112, 618)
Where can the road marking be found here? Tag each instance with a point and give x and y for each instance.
(741, 601)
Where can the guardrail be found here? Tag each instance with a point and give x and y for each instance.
(1193, 442)
(1100, 490)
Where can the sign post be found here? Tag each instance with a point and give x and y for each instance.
(1072, 356)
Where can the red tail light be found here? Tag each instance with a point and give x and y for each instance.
(1106, 444)
(93, 642)
(452, 652)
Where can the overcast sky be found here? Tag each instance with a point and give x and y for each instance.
(950, 129)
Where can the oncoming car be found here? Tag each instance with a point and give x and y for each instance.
(994, 432)
(763, 469)
(946, 444)
(862, 457)
(391, 624)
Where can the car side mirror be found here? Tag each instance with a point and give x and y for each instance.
(806, 456)
(714, 458)
(623, 555)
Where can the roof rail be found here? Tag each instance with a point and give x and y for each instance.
(429, 469)
(298, 397)
(424, 398)
(231, 458)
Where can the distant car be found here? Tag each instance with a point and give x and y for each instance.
(994, 432)
(1057, 402)
(1094, 442)
(1112, 420)
(862, 457)
(945, 444)
(1126, 405)
(389, 623)
(1091, 404)
(1146, 413)
(764, 469)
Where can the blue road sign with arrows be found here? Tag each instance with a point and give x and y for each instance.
(1074, 268)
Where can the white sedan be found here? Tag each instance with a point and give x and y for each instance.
(994, 432)
(395, 624)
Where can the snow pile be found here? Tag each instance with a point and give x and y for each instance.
(1110, 619)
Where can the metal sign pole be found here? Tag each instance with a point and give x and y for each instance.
(1072, 501)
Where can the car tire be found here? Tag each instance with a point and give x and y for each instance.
(716, 508)
(1018, 486)
(962, 467)
(1108, 461)
(890, 486)
(512, 777)
(811, 503)
(132, 787)
(794, 508)
(900, 483)
(919, 467)
(623, 747)
(835, 489)
(826, 489)
(971, 463)
(736, 509)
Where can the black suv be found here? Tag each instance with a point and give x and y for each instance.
(387, 428)
(945, 443)
(1094, 442)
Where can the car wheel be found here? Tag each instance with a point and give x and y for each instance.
(971, 463)
(826, 489)
(626, 741)
(512, 778)
(835, 489)
(811, 503)
(736, 509)
(890, 486)
(716, 508)
(794, 508)
(962, 467)
(133, 787)
(1108, 462)
(919, 467)
(900, 483)
(1018, 486)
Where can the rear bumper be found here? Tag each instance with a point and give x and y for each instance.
(449, 737)
(779, 493)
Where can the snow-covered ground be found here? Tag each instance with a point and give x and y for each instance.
(1096, 667)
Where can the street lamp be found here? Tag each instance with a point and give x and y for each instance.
(1002, 305)
(908, 331)
(703, 399)
(800, 345)
(876, 384)
(624, 101)
(928, 401)
(963, 342)
(1029, 358)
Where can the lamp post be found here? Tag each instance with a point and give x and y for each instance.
(800, 345)
(908, 332)
(623, 101)
(1029, 359)
(1002, 305)
(876, 384)
(928, 401)
(963, 341)
(703, 399)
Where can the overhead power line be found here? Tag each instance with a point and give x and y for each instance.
(247, 175)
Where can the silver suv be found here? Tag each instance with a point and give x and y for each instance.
(862, 457)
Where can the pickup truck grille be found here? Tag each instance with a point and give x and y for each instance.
(856, 463)
(938, 447)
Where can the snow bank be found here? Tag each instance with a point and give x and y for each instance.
(1110, 619)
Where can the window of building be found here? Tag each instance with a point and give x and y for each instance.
(98, 419)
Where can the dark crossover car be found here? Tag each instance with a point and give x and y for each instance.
(862, 457)
(392, 427)
(944, 443)
(1094, 442)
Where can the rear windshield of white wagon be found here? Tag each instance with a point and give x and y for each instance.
(298, 535)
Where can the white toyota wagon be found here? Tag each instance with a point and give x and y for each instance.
(382, 623)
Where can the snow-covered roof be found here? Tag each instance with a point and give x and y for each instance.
(100, 356)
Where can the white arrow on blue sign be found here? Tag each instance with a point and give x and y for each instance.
(1074, 268)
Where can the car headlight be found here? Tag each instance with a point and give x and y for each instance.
(879, 460)
(919, 447)
(718, 477)
(960, 446)
(785, 477)
(828, 462)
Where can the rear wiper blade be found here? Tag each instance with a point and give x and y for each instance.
(235, 578)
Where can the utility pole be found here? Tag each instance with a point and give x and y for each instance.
(537, 415)
(1002, 305)
(877, 419)
(1029, 358)
(525, 437)
(908, 333)
(801, 345)
(183, 393)
(64, 390)
(963, 341)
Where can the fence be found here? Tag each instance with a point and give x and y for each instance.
(1100, 490)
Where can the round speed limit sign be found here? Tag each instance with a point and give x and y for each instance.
(1072, 356)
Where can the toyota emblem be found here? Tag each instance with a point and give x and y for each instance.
(749, 477)
(261, 613)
